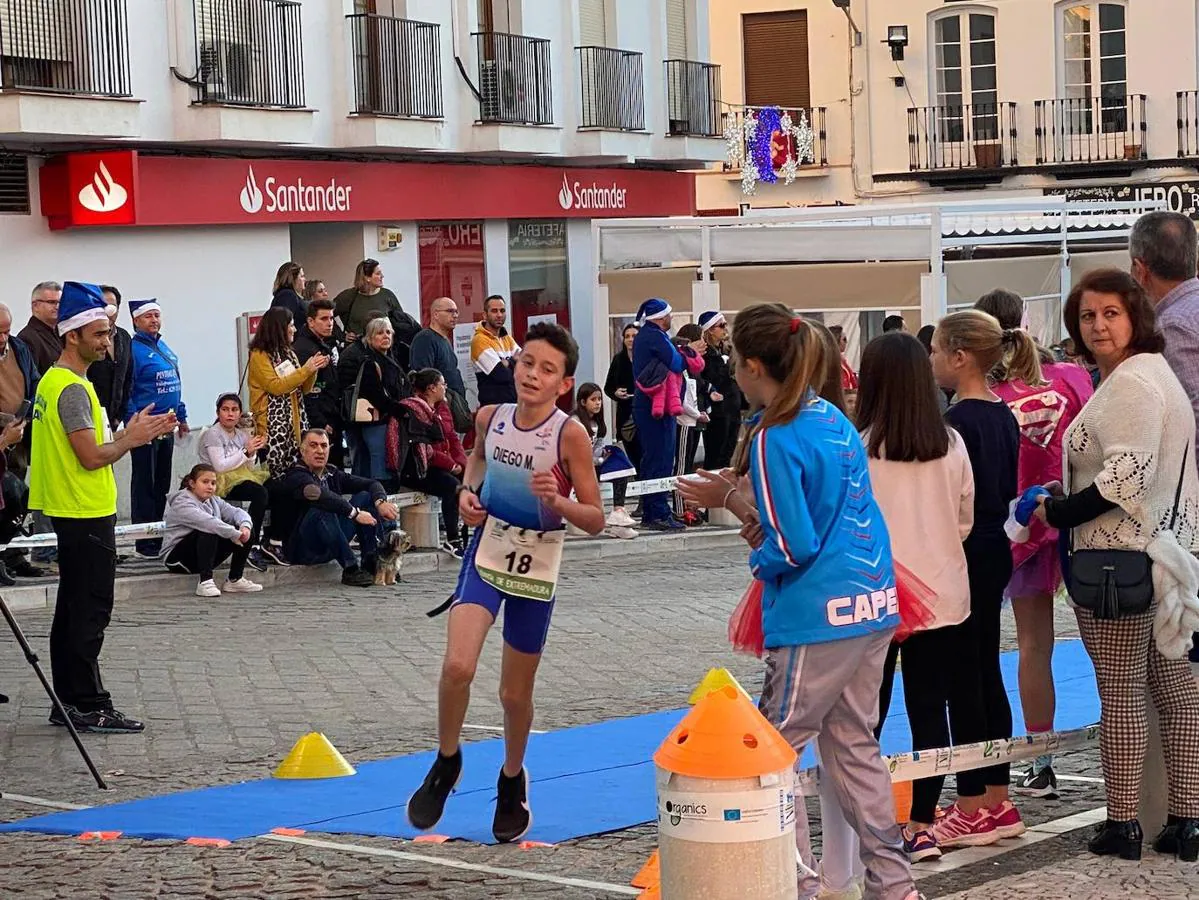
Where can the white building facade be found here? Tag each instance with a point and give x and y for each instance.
(184, 149)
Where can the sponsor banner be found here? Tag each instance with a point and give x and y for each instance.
(1180, 196)
(727, 817)
(126, 188)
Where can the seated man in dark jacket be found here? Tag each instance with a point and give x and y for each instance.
(310, 506)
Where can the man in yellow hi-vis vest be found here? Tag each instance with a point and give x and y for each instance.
(71, 481)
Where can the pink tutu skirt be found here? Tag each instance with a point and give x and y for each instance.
(1039, 575)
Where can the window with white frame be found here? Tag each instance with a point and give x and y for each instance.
(965, 76)
(1093, 67)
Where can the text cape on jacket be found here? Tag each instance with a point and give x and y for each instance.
(825, 559)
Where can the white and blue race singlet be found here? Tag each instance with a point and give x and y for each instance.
(513, 455)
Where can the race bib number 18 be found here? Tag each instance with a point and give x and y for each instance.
(522, 562)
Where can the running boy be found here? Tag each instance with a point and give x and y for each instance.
(532, 455)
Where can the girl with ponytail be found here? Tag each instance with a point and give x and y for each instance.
(966, 347)
(1045, 397)
(822, 553)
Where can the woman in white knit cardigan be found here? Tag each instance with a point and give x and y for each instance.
(1125, 455)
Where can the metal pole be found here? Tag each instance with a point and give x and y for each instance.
(31, 658)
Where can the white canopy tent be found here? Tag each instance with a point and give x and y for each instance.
(851, 258)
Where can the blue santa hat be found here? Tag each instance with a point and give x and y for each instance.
(81, 303)
(653, 309)
(616, 465)
(711, 319)
(141, 307)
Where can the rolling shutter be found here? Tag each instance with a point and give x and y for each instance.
(676, 29)
(34, 29)
(775, 59)
(593, 24)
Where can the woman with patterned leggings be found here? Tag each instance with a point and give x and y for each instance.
(1132, 485)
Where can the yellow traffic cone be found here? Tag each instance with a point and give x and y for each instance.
(314, 757)
(714, 681)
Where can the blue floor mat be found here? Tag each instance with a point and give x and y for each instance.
(586, 780)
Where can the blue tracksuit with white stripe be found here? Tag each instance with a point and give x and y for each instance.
(826, 564)
(826, 558)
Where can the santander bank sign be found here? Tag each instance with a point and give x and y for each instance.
(593, 196)
(277, 196)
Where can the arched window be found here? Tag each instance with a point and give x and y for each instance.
(964, 78)
(1093, 66)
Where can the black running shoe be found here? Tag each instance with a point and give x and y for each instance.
(56, 719)
(1042, 784)
(512, 817)
(273, 550)
(428, 803)
(105, 721)
(258, 560)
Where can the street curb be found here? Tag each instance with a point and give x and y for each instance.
(157, 583)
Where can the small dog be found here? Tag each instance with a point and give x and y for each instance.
(391, 556)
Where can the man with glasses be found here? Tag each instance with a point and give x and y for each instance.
(40, 333)
(433, 348)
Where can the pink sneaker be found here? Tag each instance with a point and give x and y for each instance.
(1007, 820)
(956, 829)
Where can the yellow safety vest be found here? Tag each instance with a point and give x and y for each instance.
(59, 485)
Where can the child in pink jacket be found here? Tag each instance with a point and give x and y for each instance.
(665, 388)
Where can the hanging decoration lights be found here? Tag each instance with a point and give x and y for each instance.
(768, 145)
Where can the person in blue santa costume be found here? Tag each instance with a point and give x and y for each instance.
(654, 355)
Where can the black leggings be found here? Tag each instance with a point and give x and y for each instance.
(719, 442)
(620, 487)
(928, 692)
(443, 485)
(200, 552)
(973, 692)
(255, 495)
(989, 565)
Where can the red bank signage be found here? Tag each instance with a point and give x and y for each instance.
(125, 188)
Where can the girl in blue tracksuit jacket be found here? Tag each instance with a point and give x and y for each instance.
(829, 604)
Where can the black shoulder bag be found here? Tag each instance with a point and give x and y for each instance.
(1114, 584)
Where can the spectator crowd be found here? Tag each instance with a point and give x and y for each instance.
(920, 464)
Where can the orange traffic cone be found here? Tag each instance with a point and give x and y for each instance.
(724, 736)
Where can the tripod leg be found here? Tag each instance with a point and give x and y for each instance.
(32, 659)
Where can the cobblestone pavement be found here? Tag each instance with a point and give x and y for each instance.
(227, 686)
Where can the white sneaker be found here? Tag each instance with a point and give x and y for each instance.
(207, 589)
(242, 585)
(619, 518)
(623, 534)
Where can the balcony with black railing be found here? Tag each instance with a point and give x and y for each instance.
(65, 47)
(514, 79)
(249, 53)
(1089, 130)
(1188, 124)
(801, 136)
(612, 84)
(397, 66)
(968, 138)
(693, 106)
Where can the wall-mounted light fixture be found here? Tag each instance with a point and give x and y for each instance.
(897, 39)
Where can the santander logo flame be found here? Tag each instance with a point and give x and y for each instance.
(251, 196)
(102, 194)
(566, 197)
